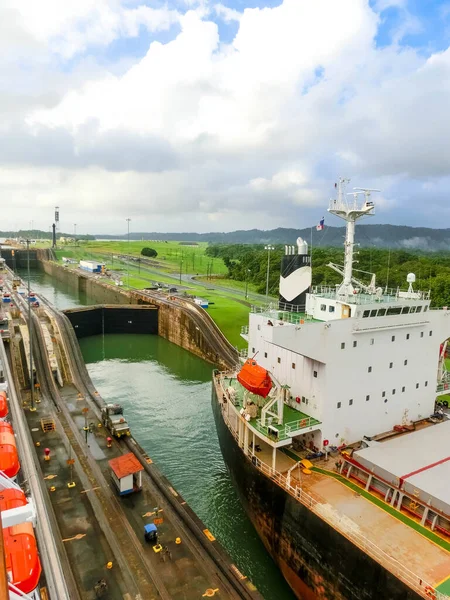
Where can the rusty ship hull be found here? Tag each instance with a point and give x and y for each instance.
(317, 561)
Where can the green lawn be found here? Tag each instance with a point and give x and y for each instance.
(170, 255)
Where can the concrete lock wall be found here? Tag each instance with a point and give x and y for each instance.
(176, 321)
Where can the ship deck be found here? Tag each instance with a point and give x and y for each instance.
(393, 532)
(296, 419)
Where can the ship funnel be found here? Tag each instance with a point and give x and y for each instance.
(295, 277)
(302, 246)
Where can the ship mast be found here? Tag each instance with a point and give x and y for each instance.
(350, 210)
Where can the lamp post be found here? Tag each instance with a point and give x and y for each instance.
(128, 265)
(246, 283)
(30, 331)
(268, 248)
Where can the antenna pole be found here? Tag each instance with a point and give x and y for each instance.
(349, 212)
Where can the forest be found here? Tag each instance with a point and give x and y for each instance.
(432, 269)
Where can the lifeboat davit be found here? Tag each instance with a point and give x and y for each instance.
(3, 405)
(255, 378)
(21, 554)
(9, 459)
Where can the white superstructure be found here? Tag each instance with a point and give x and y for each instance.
(357, 358)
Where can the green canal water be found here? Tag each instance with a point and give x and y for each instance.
(166, 394)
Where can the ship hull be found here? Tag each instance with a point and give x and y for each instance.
(316, 560)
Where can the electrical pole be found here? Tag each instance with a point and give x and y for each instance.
(268, 248)
(128, 264)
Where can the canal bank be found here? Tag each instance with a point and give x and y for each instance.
(166, 393)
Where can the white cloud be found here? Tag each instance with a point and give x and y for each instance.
(198, 132)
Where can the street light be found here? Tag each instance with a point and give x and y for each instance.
(128, 265)
(30, 331)
(268, 248)
(246, 284)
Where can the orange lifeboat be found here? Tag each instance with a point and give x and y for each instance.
(21, 554)
(9, 459)
(255, 378)
(3, 405)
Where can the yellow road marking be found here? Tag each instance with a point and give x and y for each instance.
(79, 536)
(90, 490)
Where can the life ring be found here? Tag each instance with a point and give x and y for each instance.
(430, 592)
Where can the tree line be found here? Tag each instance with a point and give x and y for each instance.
(432, 269)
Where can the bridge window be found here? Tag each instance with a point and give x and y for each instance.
(383, 394)
(393, 392)
(425, 308)
(355, 343)
(323, 307)
(315, 374)
(372, 341)
(430, 334)
(419, 309)
(395, 310)
(381, 312)
(405, 310)
(407, 336)
(366, 313)
(373, 313)
(339, 405)
(421, 334)
(331, 308)
(393, 338)
(342, 345)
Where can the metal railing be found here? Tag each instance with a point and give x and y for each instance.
(286, 432)
(414, 581)
(387, 296)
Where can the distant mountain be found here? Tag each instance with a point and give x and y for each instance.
(381, 236)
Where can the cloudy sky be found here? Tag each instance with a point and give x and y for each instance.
(196, 115)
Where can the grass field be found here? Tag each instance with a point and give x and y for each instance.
(170, 255)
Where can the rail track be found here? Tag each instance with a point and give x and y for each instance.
(236, 584)
(120, 535)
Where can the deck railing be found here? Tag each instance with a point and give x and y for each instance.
(414, 581)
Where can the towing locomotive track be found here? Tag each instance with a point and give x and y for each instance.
(207, 552)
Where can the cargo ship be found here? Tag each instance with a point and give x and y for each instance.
(331, 432)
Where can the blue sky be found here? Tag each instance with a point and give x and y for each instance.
(205, 115)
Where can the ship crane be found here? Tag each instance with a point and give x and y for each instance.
(350, 211)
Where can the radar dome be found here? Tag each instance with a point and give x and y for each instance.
(411, 278)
